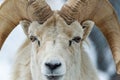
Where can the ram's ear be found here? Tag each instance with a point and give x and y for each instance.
(87, 26)
(25, 25)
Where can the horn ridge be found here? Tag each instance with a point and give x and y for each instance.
(39, 12)
(69, 15)
(74, 9)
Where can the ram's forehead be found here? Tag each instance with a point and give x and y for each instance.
(56, 25)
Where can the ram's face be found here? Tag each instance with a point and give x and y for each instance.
(55, 48)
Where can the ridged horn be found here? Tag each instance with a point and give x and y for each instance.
(13, 11)
(103, 14)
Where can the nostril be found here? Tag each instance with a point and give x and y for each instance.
(53, 66)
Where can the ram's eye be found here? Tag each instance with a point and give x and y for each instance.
(70, 42)
(33, 38)
(77, 39)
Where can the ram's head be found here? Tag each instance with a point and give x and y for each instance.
(57, 48)
(13, 11)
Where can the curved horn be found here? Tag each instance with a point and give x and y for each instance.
(13, 11)
(102, 13)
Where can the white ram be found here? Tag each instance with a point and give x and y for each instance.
(57, 51)
(72, 11)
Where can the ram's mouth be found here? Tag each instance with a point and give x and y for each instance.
(52, 77)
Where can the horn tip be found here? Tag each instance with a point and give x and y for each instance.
(118, 67)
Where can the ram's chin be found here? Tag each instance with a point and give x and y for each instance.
(54, 77)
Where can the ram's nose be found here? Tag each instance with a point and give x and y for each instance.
(53, 65)
(53, 68)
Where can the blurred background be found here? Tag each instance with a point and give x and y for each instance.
(101, 55)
